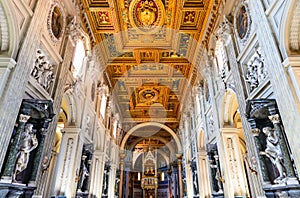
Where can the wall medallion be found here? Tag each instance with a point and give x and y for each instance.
(242, 22)
(146, 15)
(56, 22)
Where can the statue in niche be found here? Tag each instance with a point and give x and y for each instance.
(27, 144)
(84, 175)
(274, 153)
(195, 181)
(219, 180)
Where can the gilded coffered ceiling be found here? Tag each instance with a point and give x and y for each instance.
(150, 48)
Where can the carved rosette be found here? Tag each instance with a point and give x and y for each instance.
(56, 22)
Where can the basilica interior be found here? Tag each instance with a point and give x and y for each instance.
(149, 98)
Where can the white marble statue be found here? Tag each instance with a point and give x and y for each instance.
(28, 143)
(274, 153)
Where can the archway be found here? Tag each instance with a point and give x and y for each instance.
(156, 124)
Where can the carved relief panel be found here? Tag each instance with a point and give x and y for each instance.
(255, 71)
(43, 71)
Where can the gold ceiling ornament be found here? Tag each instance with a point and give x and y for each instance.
(147, 16)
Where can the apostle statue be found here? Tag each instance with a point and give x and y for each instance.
(28, 143)
(274, 153)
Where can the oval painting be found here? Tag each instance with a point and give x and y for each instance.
(242, 22)
(56, 22)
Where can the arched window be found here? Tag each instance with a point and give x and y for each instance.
(78, 58)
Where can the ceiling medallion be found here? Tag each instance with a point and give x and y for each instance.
(56, 22)
(243, 22)
(148, 95)
(146, 15)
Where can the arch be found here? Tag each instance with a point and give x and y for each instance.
(229, 107)
(9, 30)
(69, 105)
(166, 128)
(200, 140)
(290, 29)
(170, 147)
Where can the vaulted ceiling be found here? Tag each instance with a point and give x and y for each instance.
(150, 48)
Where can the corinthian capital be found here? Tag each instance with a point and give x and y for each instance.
(225, 29)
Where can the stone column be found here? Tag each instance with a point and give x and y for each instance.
(208, 74)
(14, 148)
(189, 180)
(187, 126)
(111, 181)
(179, 158)
(122, 155)
(203, 175)
(127, 183)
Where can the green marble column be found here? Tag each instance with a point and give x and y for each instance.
(38, 155)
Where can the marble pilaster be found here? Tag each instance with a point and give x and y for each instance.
(65, 183)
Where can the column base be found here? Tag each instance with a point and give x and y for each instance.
(218, 194)
(82, 194)
(282, 191)
(15, 190)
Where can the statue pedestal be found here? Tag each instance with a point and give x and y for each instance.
(218, 194)
(80, 194)
(16, 190)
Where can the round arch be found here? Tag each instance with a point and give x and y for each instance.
(9, 30)
(166, 128)
(290, 29)
(69, 105)
(200, 140)
(229, 106)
